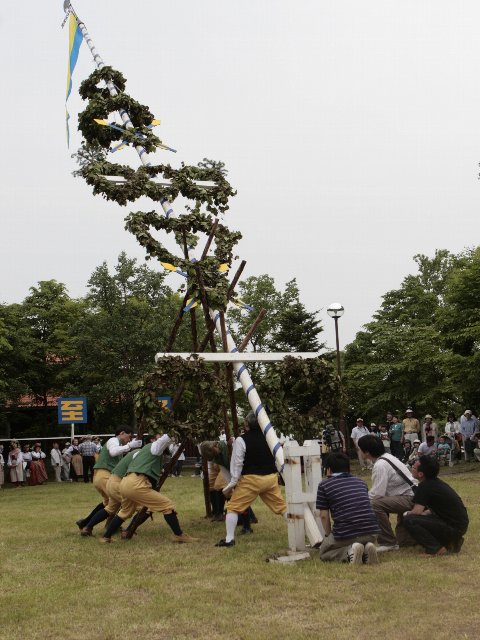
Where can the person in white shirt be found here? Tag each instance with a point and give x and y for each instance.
(15, 463)
(391, 492)
(115, 447)
(177, 469)
(358, 432)
(38, 471)
(2, 463)
(56, 461)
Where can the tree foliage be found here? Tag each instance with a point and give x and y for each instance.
(421, 348)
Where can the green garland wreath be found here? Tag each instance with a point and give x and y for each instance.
(301, 396)
(194, 417)
(95, 169)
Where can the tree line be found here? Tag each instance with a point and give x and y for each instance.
(100, 345)
(422, 347)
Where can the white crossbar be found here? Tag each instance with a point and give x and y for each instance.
(164, 182)
(241, 357)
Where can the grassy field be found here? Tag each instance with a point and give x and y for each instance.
(56, 584)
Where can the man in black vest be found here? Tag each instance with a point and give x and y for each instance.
(254, 474)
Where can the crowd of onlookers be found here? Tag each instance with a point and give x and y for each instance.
(408, 439)
(70, 461)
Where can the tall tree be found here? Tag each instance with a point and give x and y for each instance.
(129, 314)
(298, 329)
(398, 359)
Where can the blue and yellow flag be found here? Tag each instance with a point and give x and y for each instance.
(75, 40)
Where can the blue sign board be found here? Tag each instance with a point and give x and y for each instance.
(72, 410)
(165, 401)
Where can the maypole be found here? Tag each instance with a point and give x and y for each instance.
(240, 369)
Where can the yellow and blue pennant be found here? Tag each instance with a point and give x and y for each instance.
(75, 40)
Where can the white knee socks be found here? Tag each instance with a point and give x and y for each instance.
(231, 523)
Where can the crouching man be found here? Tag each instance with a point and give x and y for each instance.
(345, 498)
(438, 519)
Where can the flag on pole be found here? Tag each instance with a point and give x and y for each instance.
(74, 42)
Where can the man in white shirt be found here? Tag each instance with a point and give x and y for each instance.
(391, 492)
(56, 460)
(358, 432)
(253, 474)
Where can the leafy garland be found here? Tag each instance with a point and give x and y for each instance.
(95, 169)
(301, 396)
(198, 420)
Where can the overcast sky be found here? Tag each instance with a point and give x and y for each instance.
(349, 127)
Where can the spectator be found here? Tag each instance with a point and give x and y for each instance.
(98, 444)
(358, 432)
(15, 464)
(27, 461)
(374, 429)
(428, 448)
(476, 451)
(344, 498)
(76, 466)
(177, 469)
(385, 437)
(391, 492)
(414, 455)
(332, 440)
(88, 449)
(407, 450)
(396, 438)
(38, 471)
(66, 460)
(411, 426)
(452, 426)
(438, 520)
(2, 464)
(56, 461)
(429, 428)
(443, 451)
(468, 427)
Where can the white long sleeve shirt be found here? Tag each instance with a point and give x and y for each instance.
(159, 446)
(56, 457)
(237, 460)
(386, 481)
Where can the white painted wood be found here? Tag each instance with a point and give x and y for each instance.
(219, 356)
(164, 182)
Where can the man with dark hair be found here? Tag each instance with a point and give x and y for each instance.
(345, 498)
(391, 492)
(109, 456)
(253, 474)
(438, 520)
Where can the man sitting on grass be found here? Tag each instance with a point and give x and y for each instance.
(345, 498)
(438, 520)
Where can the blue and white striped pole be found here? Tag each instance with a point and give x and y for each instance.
(240, 369)
(142, 153)
(253, 398)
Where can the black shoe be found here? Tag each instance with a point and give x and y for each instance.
(456, 545)
(224, 543)
(80, 523)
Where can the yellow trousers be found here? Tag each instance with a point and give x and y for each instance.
(100, 479)
(137, 491)
(250, 487)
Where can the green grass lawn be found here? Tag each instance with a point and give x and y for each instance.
(56, 584)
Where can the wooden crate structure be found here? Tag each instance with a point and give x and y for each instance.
(301, 493)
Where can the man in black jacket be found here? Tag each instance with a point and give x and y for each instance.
(438, 519)
(253, 472)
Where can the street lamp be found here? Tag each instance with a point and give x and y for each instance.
(336, 311)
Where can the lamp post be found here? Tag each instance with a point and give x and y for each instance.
(336, 311)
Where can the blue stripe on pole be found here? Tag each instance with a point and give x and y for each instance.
(267, 428)
(250, 388)
(258, 409)
(216, 318)
(276, 448)
(240, 371)
(235, 350)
